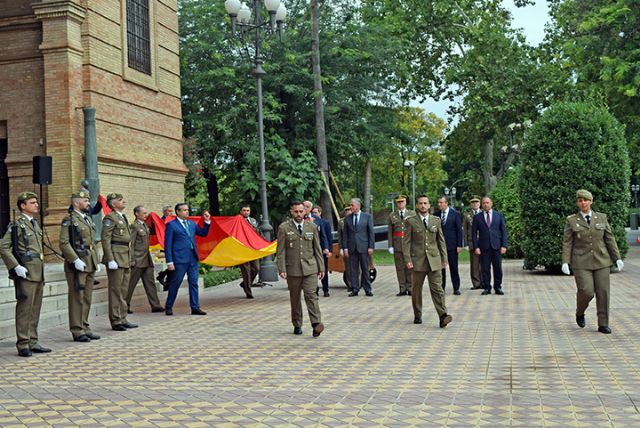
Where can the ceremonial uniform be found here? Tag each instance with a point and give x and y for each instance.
(29, 290)
(299, 255)
(81, 228)
(116, 245)
(590, 248)
(396, 230)
(142, 266)
(250, 269)
(424, 246)
(474, 259)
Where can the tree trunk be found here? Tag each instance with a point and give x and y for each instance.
(212, 191)
(321, 143)
(367, 187)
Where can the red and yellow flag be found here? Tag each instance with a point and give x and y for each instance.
(231, 240)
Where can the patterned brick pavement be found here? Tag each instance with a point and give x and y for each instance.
(513, 360)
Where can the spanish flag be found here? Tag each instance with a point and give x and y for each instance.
(231, 240)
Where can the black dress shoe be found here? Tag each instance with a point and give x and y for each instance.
(25, 352)
(417, 321)
(40, 349)
(580, 321)
(457, 292)
(500, 292)
(402, 293)
(317, 329)
(82, 338)
(198, 312)
(297, 330)
(168, 311)
(368, 293)
(130, 325)
(118, 327)
(445, 319)
(129, 311)
(325, 294)
(485, 292)
(158, 309)
(605, 330)
(92, 336)
(249, 296)
(352, 294)
(408, 293)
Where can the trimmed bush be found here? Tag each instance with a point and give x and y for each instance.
(506, 199)
(217, 277)
(572, 146)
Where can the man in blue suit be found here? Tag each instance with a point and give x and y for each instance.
(325, 229)
(181, 253)
(452, 230)
(489, 234)
(358, 243)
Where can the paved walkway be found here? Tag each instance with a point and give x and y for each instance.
(513, 360)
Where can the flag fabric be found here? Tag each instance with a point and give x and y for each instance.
(231, 240)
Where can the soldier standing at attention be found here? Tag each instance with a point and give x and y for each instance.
(249, 269)
(396, 227)
(116, 245)
(299, 257)
(78, 246)
(474, 259)
(590, 248)
(142, 263)
(425, 252)
(25, 257)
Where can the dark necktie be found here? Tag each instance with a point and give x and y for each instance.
(587, 217)
(355, 221)
(488, 220)
(444, 218)
(401, 215)
(86, 219)
(33, 224)
(125, 219)
(424, 221)
(300, 229)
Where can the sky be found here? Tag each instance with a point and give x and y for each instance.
(530, 18)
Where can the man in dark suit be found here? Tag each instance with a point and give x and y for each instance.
(358, 244)
(452, 229)
(489, 234)
(325, 229)
(181, 252)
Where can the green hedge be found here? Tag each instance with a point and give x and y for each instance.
(572, 146)
(217, 277)
(506, 199)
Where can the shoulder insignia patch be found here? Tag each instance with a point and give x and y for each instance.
(65, 222)
(108, 222)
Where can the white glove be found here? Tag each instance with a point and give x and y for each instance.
(98, 268)
(390, 250)
(21, 271)
(565, 269)
(79, 265)
(112, 265)
(619, 265)
(341, 252)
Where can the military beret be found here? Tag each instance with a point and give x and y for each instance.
(401, 198)
(112, 196)
(25, 196)
(474, 199)
(584, 194)
(80, 194)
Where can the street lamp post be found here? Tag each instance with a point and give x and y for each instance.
(453, 195)
(412, 164)
(240, 15)
(635, 188)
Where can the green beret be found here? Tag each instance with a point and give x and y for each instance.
(25, 196)
(401, 198)
(474, 199)
(584, 194)
(112, 196)
(80, 194)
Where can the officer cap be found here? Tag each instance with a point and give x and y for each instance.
(474, 199)
(25, 196)
(112, 196)
(401, 198)
(80, 194)
(584, 194)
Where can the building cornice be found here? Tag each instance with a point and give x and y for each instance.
(48, 9)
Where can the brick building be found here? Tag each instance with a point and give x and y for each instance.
(117, 56)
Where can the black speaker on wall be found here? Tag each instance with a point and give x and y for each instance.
(42, 170)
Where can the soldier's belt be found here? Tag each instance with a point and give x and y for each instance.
(30, 255)
(123, 244)
(399, 234)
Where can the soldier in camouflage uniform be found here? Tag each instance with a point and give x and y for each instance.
(78, 246)
(29, 272)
